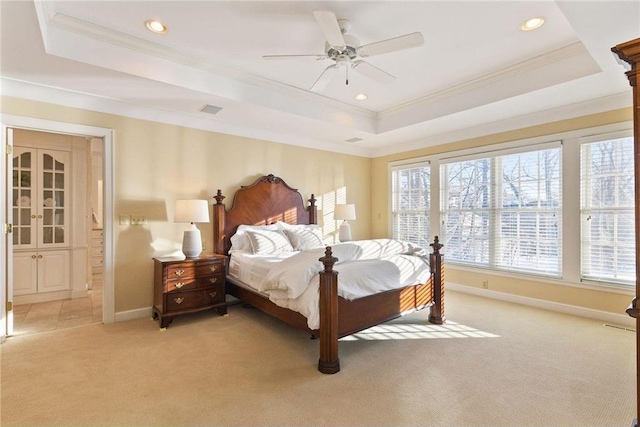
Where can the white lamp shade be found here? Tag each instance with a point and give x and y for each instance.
(192, 211)
(346, 212)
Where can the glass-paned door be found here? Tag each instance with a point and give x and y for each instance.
(54, 222)
(24, 209)
(40, 198)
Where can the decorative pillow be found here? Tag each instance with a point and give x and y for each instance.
(303, 236)
(240, 240)
(305, 239)
(267, 242)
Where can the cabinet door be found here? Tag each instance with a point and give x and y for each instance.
(53, 271)
(23, 198)
(25, 273)
(53, 184)
(40, 198)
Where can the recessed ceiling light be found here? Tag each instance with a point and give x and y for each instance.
(155, 26)
(532, 24)
(361, 97)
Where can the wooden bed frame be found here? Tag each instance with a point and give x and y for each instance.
(270, 199)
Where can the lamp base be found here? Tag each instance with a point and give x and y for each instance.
(192, 242)
(345, 232)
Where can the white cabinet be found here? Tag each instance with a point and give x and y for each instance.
(40, 220)
(38, 272)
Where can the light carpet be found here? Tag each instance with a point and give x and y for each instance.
(494, 364)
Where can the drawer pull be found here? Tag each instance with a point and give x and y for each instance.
(213, 294)
(179, 272)
(213, 268)
(213, 280)
(179, 300)
(179, 285)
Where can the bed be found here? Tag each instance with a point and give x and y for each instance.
(270, 201)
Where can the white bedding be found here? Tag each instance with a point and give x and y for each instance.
(364, 268)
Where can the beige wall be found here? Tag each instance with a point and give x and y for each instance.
(155, 164)
(577, 296)
(158, 163)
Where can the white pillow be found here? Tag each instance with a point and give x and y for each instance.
(240, 241)
(305, 239)
(303, 236)
(266, 242)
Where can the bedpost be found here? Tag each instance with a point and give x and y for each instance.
(437, 270)
(219, 216)
(329, 363)
(313, 211)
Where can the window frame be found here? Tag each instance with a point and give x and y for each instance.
(592, 139)
(494, 211)
(570, 199)
(405, 165)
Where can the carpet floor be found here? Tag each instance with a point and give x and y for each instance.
(493, 364)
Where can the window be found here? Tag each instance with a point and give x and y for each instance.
(410, 194)
(607, 211)
(503, 210)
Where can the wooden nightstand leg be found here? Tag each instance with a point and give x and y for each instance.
(222, 310)
(165, 321)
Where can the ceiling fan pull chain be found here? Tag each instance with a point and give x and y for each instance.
(347, 81)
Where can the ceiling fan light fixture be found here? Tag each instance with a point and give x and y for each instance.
(155, 26)
(361, 97)
(532, 24)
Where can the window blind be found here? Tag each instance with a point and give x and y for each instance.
(410, 193)
(504, 210)
(607, 219)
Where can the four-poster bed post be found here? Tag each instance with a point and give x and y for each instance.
(629, 52)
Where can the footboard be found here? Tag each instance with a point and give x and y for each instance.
(339, 317)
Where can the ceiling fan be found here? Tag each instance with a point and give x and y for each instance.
(345, 50)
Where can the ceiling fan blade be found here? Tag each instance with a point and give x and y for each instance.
(374, 73)
(324, 78)
(318, 57)
(330, 28)
(391, 45)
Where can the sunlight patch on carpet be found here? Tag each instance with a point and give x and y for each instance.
(417, 331)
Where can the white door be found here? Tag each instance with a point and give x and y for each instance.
(6, 218)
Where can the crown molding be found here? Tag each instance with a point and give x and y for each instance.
(56, 96)
(106, 35)
(533, 64)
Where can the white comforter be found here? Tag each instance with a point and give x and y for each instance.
(364, 268)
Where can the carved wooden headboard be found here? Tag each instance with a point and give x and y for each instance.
(267, 200)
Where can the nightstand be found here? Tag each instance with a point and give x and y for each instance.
(184, 286)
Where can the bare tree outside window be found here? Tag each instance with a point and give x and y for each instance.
(607, 211)
(411, 204)
(505, 211)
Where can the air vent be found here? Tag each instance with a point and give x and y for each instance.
(210, 109)
(623, 328)
(354, 140)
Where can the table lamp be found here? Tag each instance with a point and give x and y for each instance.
(192, 211)
(345, 213)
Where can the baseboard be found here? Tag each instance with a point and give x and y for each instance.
(138, 313)
(605, 316)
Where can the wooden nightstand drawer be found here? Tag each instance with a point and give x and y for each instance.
(197, 269)
(183, 286)
(194, 283)
(194, 299)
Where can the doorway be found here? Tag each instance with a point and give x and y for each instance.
(57, 230)
(8, 311)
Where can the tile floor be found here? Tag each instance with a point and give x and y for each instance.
(51, 315)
